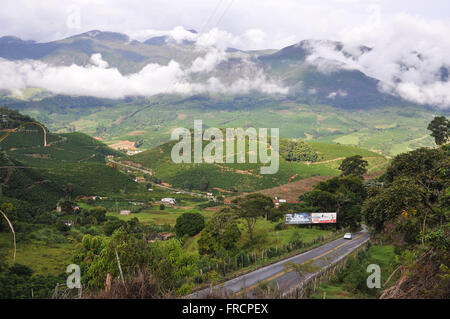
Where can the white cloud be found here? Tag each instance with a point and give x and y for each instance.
(101, 81)
(250, 39)
(340, 93)
(180, 34)
(208, 62)
(406, 55)
(218, 38)
(96, 59)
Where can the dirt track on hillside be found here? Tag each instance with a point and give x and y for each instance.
(291, 191)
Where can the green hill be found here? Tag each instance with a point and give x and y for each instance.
(27, 184)
(246, 177)
(27, 147)
(391, 129)
(41, 175)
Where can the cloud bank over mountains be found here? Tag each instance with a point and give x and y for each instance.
(413, 70)
(409, 56)
(98, 79)
(407, 43)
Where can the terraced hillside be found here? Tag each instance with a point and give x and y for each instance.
(237, 178)
(72, 162)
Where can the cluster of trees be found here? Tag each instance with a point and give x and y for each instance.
(354, 165)
(131, 226)
(220, 234)
(189, 224)
(204, 184)
(410, 206)
(166, 260)
(297, 151)
(414, 194)
(353, 278)
(344, 194)
(19, 282)
(21, 213)
(12, 118)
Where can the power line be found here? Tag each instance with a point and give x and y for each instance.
(217, 24)
(226, 10)
(209, 18)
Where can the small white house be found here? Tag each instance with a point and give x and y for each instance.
(125, 212)
(282, 201)
(167, 200)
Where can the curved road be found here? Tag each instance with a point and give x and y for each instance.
(284, 277)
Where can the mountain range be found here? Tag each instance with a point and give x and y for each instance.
(287, 67)
(314, 97)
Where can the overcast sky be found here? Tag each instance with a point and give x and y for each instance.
(272, 23)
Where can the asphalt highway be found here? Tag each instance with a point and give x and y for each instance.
(284, 276)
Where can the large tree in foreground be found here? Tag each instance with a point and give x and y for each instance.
(220, 233)
(414, 194)
(252, 207)
(343, 195)
(440, 129)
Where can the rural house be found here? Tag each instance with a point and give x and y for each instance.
(170, 201)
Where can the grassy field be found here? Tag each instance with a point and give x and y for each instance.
(168, 216)
(42, 259)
